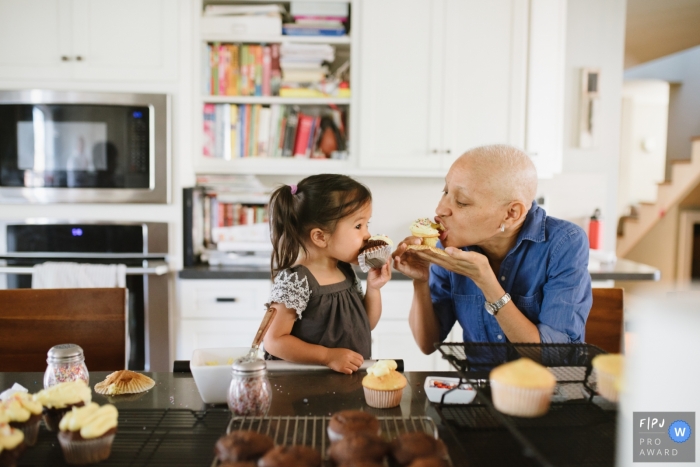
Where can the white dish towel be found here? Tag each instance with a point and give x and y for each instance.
(59, 275)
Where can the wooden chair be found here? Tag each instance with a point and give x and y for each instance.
(34, 320)
(605, 321)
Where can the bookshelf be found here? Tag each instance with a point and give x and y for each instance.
(335, 108)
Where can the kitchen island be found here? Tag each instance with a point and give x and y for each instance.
(190, 437)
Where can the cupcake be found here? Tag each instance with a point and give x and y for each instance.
(608, 371)
(291, 456)
(383, 385)
(124, 382)
(358, 447)
(375, 253)
(59, 399)
(11, 445)
(427, 230)
(414, 445)
(352, 421)
(242, 445)
(24, 413)
(522, 388)
(87, 433)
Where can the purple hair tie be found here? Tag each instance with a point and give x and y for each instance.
(294, 189)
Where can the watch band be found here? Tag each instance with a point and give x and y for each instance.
(492, 308)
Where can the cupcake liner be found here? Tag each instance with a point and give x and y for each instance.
(520, 402)
(53, 417)
(9, 457)
(85, 451)
(606, 385)
(374, 257)
(383, 399)
(30, 429)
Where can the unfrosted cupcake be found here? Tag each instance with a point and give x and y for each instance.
(11, 445)
(59, 399)
(608, 371)
(24, 413)
(522, 388)
(375, 253)
(352, 421)
(383, 385)
(87, 433)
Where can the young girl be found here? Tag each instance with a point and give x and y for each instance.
(318, 228)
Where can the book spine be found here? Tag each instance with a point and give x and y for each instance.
(234, 133)
(226, 133)
(290, 133)
(224, 62)
(214, 85)
(208, 130)
(302, 136)
(266, 70)
(258, 70)
(275, 70)
(206, 68)
(246, 145)
(232, 82)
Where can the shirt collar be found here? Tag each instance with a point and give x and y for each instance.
(533, 228)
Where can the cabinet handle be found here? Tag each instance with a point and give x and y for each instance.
(447, 151)
(65, 58)
(434, 151)
(79, 58)
(225, 299)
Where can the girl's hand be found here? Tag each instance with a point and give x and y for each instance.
(344, 360)
(377, 277)
(409, 262)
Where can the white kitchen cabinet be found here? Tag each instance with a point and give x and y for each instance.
(199, 334)
(134, 40)
(441, 76)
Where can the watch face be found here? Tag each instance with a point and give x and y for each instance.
(489, 308)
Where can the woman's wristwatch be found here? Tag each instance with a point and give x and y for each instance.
(493, 308)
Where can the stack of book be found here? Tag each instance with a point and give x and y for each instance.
(304, 68)
(241, 70)
(240, 131)
(317, 19)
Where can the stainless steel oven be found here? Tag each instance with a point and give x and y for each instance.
(84, 147)
(142, 247)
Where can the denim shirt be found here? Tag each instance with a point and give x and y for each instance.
(546, 275)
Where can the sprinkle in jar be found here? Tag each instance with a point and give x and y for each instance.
(249, 392)
(66, 362)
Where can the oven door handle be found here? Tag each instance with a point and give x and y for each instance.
(157, 268)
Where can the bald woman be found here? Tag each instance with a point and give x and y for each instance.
(512, 274)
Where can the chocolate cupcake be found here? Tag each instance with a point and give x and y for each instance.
(59, 399)
(357, 447)
(352, 421)
(414, 445)
(11, 445)
(291, 456)
(87, 433)
(242, 446)
(375, 253)
(24, 413)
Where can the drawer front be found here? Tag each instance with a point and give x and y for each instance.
(224, 299)
(199, 334)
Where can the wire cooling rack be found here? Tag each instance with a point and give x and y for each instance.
(312, 430)
(173, 437)
(578, 430)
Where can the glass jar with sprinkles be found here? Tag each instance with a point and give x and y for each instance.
(66, 362)
(249, 392)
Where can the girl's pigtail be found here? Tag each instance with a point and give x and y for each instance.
(284, 229)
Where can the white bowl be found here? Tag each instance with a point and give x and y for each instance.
(464, 395)
(211, 370)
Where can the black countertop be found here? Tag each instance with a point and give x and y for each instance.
(620, 270)
(312, 393)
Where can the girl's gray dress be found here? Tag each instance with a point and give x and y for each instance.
(330, 315)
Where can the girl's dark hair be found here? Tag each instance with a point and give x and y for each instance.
(320, 202)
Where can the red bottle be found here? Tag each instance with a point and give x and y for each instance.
(595, 231)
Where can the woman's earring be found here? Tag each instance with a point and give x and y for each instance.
(503, 227)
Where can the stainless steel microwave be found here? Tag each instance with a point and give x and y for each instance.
(84, 147)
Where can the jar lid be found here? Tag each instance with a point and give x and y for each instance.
(253, 366)
(64, 353)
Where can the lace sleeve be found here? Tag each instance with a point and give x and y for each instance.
(290, 291)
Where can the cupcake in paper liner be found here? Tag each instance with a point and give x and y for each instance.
(375, 253)
(522, 388)
(86, 433)
(608, 372)
(59, 399)
(24, 413)
(383, 385)
(12, 444)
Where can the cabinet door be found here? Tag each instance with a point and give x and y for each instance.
(485, 74)
(198, 334)
(223, 299)
(125, 39)
(35, 39)
(400, 85)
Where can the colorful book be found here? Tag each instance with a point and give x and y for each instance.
(266, 70)
(232, 88)
(235, 150)
(275, 70)
(209, 117)
(258, 78)
(206, 69)
(304, 128)
(214, 57)
(290, 132)
(264, 132)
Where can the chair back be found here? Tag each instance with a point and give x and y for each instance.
(605, 321)
(34, 320)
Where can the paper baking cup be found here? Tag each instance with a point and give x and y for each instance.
(30, 429)
(606, 385)
(86, 451)
(520, 402)
(374, 257)
(383, 399)
(53, 417)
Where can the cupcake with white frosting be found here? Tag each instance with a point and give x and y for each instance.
(11, 445)
(87, 433)
(59, 399)
(24, 413)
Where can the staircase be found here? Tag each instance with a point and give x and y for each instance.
(685, 176)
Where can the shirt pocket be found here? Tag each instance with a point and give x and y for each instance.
(529, 305)
(468, 310)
